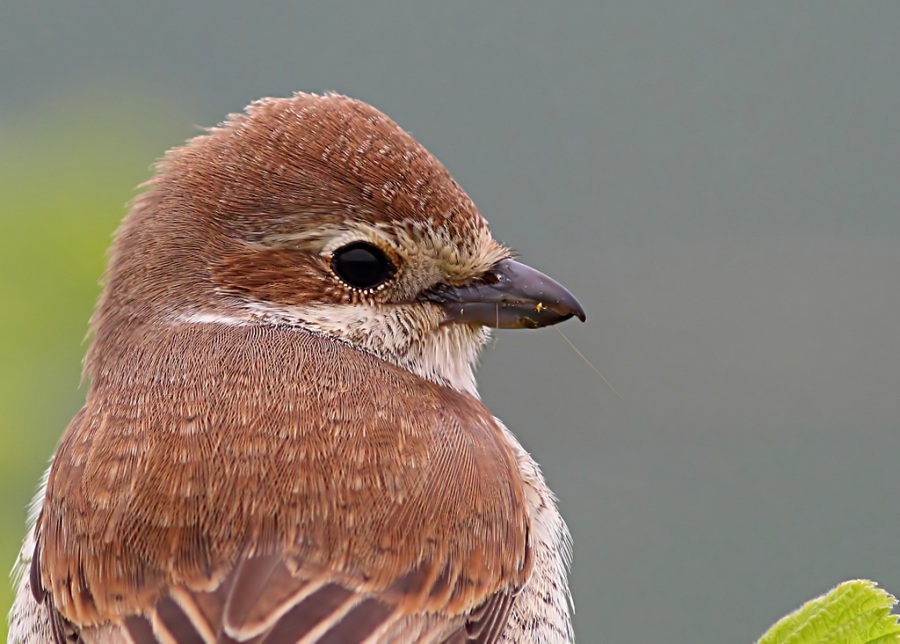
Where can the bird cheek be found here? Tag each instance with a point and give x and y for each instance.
(277, 275)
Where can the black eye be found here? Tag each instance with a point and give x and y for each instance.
(362, 265)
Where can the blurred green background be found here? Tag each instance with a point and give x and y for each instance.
(718, 183)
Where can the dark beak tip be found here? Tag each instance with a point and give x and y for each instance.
(568, 306)
(573, 312)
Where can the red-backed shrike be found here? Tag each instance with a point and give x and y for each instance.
(282, 440)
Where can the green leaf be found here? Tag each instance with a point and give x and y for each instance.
(855, 612)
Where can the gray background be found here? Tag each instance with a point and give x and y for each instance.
(718, 182)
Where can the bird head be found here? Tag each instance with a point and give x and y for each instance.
(319, 212)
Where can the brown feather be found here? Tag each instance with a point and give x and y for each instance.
(190, 459)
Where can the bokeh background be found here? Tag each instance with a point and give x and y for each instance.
(718, 181)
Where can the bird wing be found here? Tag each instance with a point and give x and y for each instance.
(264, 601)
(334, 499)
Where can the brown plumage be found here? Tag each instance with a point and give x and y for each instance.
(271, 452)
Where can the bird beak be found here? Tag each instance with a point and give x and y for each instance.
(511, 295)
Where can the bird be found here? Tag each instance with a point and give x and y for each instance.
(283, 439)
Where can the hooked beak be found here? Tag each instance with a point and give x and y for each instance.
(509, 296)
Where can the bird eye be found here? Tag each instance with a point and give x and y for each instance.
(362, 265)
